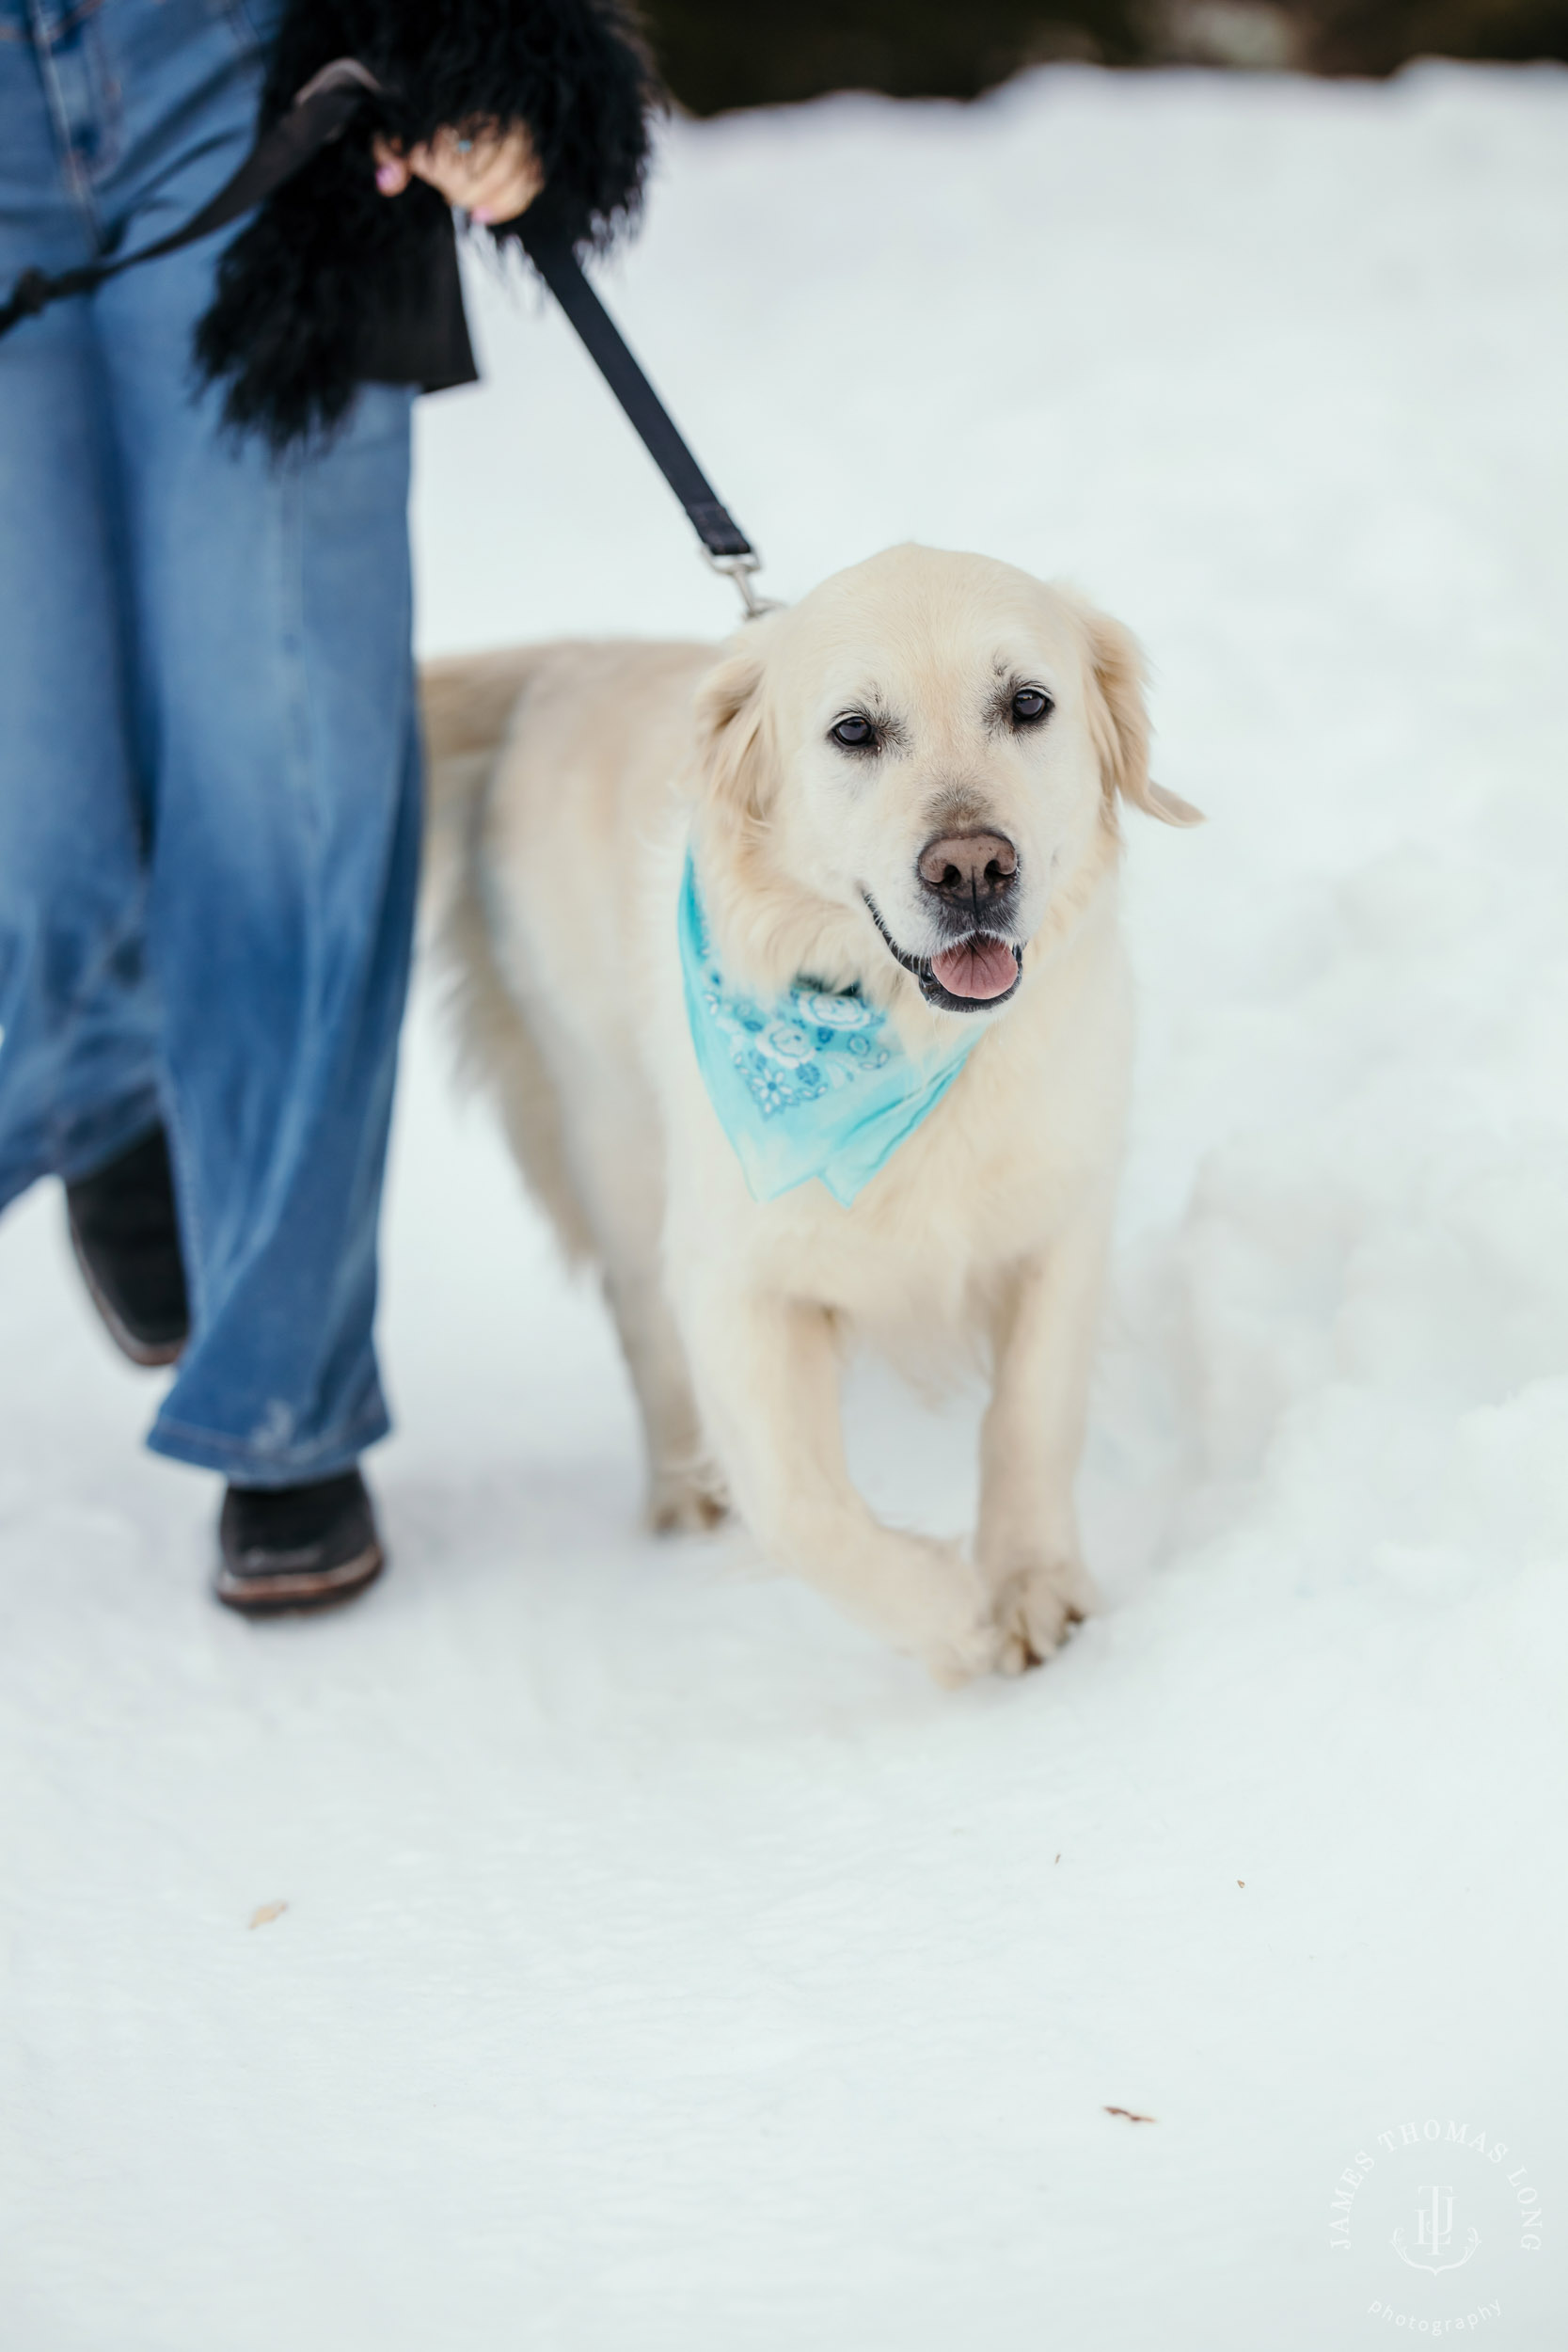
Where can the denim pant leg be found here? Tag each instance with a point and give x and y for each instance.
(78, 1021)
(275, 655)
(272, 684)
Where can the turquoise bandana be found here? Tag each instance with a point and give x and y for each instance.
(815, 1084)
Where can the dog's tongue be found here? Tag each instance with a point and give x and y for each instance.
(980, 968)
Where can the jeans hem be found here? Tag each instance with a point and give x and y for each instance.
(112, 1144)
(109, 1136)
(240, 1463)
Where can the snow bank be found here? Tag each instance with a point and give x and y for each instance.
(663, 1965)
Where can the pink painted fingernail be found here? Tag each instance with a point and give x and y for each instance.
(388, 179)
(482, 213)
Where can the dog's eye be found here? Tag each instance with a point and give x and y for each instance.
(854, 732)
(1030, 705)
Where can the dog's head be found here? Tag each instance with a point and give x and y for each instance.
(928, 751)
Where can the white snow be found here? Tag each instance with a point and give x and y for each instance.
(663, 1965)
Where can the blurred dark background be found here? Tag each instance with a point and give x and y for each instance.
(718, 54)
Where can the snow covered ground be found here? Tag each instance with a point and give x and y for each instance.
(663, 1965)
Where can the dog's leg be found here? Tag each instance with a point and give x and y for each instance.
(614, 1146)
(1028, 1547)
(767, 1380)
(686, 1493)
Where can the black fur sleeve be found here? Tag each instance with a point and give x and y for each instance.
(302, 290)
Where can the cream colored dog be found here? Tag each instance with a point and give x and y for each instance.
(908, 785)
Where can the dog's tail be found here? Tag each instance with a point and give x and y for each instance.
(468, 700)
(468, 705)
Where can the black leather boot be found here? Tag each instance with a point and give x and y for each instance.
(126, 1236)
(297, 1546)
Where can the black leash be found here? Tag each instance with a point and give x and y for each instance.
(724, 543)
(319, 115)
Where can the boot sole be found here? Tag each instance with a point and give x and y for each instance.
(152, 1355)
(297, 1590)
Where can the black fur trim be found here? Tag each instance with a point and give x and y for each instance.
(301, 293)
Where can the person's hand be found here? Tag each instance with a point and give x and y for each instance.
(490, 174)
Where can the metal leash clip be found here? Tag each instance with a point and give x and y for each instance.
(741, 569)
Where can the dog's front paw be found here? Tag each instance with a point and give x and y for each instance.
(938, 1608)
(1037, 1606)
(687, 1499)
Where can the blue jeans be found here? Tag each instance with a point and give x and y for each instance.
(208, 765)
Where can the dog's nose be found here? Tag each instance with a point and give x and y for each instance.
(974, 869)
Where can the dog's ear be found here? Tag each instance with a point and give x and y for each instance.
(1118, 721)
(731, 727)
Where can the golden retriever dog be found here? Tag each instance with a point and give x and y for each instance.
(683, 887)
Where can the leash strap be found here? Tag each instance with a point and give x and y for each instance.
(724, 543)
(319, 115)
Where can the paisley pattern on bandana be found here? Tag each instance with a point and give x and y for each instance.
(818, 1083)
